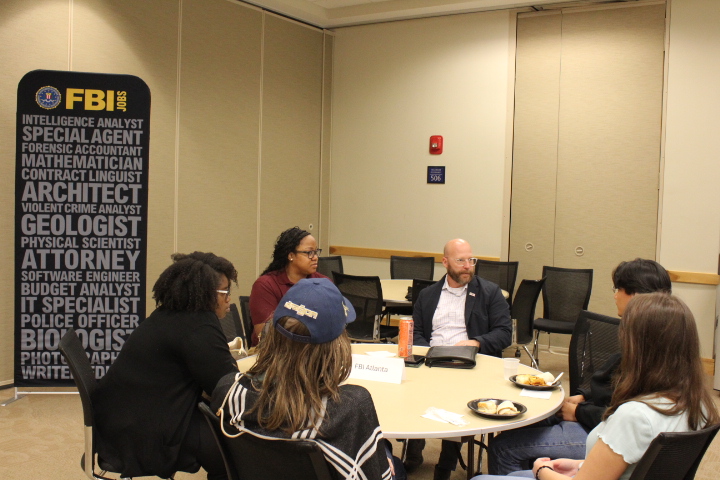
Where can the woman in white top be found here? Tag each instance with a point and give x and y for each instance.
(660, 388)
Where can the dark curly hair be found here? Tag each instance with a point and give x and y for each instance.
(286, 243)
(190, 283)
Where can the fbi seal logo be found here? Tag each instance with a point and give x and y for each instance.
(48, 97)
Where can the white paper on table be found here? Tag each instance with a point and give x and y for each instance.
(440, 415)
(382, 354)
(544, 394)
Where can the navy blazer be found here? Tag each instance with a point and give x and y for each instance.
(487, 315)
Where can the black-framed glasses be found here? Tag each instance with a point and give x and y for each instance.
(310, 253)
(226, 292)
(463, 261)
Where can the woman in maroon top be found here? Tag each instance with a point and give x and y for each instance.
(295, 257)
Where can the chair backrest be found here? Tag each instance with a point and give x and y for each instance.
(365, 294)
(500, 273)
(594, 340)
(417, 286)
(253, 458)
(247, 324)
(412, 267)
(231, 324)
(72, 350)
(523, 309)
(327, 265)
(674, 456)
(566, 292)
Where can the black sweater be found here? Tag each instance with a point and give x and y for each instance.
(589, 413)
(144, 403)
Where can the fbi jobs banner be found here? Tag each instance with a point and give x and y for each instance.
(81, 187)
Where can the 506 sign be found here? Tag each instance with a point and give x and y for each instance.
(436, 175)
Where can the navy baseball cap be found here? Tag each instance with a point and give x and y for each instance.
(317, 304)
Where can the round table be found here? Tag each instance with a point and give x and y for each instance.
(399, 407)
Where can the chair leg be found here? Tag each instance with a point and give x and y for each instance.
(403, 455)
(536, 349)
(533, 363)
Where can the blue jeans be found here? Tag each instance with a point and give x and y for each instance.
(515, 475)
(512, 450)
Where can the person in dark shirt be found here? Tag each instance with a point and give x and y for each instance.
(145, 408)
(295, 257)
(460, 309)
(564, 435)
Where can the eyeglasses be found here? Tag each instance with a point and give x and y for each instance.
(311, 253)
(615, 290)
(463, 261)
(226, 292)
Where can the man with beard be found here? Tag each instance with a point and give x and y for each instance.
(460, 309)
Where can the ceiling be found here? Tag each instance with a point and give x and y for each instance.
(339, 13)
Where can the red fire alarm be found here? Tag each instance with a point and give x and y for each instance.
(436, 144)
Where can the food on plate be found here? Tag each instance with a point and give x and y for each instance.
(492, 408)
(536, 380)
(548, 377)
(507, 408)
(487, 407)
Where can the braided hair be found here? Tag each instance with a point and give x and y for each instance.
(285, 244)
(190, 283)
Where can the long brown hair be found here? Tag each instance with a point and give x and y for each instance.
(661, 359)
(297, 376)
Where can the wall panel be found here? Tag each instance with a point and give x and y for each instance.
(690, 232)
(534, 181)
(125, 37)
(203, 63)
(219, 132)
(395, 85)
(325, 166)
(609, 141)
(25, 44)
(589, 91)
(291, 130)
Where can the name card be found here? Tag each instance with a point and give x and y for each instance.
(389, 370)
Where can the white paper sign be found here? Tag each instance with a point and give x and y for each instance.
(545, 394)
(389, 370)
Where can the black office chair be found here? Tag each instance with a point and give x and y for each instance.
(365, 294)
(72, 350)
(523, 313)
(674, 456)
(412, 267)
(327, 265)
(594, 340)
(248, 457)
(418, 286)
(247, 324)
(409, 268)
(503, 274)
(231, 324)
(566, 291)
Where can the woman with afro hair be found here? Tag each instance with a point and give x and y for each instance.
(145, 407)
(295, 257)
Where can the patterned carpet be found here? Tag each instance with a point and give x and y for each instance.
(41, 436)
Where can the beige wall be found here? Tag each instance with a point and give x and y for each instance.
(394, 86)
(690, 229)
(398, 83)
(223, 99)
